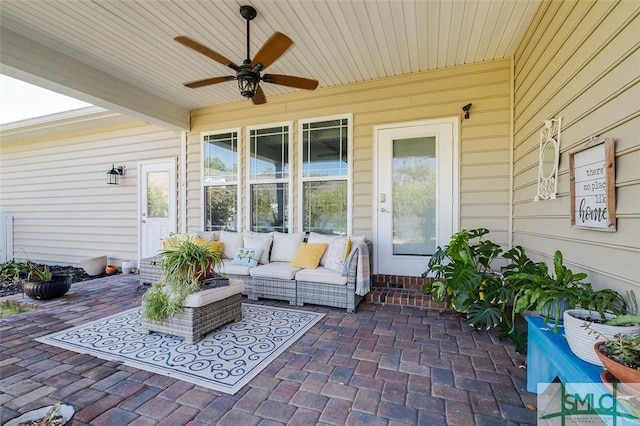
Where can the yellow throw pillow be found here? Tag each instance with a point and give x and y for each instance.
(212, 245)
(173, 241)
(308, 255)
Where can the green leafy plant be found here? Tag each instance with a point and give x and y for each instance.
(536, 288)
(465, 279)
(183, 266)
(629, 318)
(37, 274)
(13, 270)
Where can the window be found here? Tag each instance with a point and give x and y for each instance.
(269, 175)
(221, 182)
(325, 175)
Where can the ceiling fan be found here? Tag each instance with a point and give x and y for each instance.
(248, 74)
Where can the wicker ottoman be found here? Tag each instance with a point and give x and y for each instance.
(150, 271)
(203, 312)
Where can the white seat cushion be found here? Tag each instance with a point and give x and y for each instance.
(321, 275)
(204, 297)
(228, 268)
(278, 270)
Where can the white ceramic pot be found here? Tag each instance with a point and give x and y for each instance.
(67, 411)
(126, 267)
(581, 338)
(94, 265)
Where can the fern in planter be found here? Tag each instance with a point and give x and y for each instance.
(183, 267)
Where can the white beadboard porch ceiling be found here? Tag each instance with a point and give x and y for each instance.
(336, 42)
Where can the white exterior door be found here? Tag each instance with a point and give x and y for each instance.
(416, 191)
(157, 204)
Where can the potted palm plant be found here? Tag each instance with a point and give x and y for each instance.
(184, 265)
(42, 284)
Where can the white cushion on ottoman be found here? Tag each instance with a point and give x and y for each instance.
(204, 297)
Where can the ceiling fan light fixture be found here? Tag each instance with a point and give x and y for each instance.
(248, 74)
(247, 82)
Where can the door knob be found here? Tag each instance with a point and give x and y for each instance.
(383, 210)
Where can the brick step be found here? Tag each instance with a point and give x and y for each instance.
(402, 297)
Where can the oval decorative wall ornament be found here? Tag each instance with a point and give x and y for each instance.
(548, 159)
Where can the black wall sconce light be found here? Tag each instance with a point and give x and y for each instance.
(466, 109)
(113, 175)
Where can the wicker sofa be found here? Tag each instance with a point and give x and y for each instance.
(274, 278)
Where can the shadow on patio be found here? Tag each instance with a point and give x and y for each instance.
(381, 366)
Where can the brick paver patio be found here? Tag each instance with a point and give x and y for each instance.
(383, 365)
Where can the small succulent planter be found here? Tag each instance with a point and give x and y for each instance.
(59, 415)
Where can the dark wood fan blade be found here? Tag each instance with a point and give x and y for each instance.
(192, 44)
(208, 81)
(272, 50)
(291, 81)
(259, 98)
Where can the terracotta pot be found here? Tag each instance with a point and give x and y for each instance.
(627, 394)
(57, 287)
(621, 372)
(203, 276)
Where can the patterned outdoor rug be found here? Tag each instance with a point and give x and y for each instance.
(225, 360)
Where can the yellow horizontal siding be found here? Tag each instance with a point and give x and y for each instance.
(585, 71)
(55, 188)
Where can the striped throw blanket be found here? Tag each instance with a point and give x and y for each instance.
(363, 275)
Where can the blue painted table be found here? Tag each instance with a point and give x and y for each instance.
(549, 356)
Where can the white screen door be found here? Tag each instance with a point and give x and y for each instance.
(415, 199)
(157, 204)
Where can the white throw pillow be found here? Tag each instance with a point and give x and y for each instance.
(315, 238)
(337, 253)
(259, 240)
(285, 246)
(232, 242)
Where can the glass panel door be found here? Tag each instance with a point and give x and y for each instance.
(414, 196)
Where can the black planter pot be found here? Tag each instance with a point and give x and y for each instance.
(57, 287)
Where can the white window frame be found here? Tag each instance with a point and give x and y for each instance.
(289, 181)
(349, 178)
(239, 182)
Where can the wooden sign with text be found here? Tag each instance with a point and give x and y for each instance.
(593, 187)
